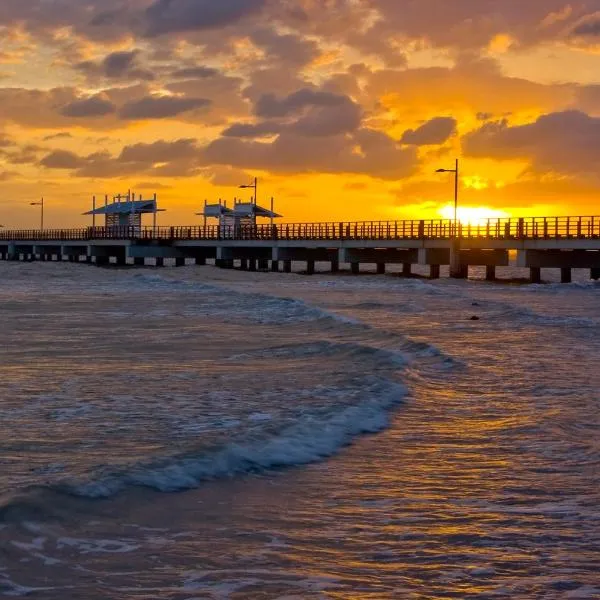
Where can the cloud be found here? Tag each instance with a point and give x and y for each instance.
(116, 65)
(289, 49)
(94, 106)
(252, 130)
(563, 142)
(434, 132)
(160, 107)
(271, 106)
(173, 16)
(178, 158)
(160, 151)
(62, 159)
(197, 72)
(8, 175)
(365, 151)
(61, 135)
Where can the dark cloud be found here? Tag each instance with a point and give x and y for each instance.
(117, 65)
(253, 130)
(564, 142)
(160, 107)
(173, 16)
(179, 158)
(434, 132)
(366, 152)
(270, 106)
(160, 151)
(62, 159)
(588, 27)
(289, 49)
(94, 106)
(198, 72)
(61, 135)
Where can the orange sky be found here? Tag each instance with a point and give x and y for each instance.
(344, 109)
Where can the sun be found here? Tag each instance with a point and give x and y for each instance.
(472, 215)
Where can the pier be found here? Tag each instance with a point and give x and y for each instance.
(564, 243)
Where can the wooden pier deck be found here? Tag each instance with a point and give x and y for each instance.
(566, 243)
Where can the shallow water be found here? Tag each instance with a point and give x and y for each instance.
(329, 437)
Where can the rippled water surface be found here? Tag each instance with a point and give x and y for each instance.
(194, 433)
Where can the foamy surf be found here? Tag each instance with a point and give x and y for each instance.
(312, 439)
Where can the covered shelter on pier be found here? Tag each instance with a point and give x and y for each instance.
(242, 216)
(125, 211)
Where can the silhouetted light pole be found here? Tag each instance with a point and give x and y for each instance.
(41, 204)
(253, 186)
(455, 171)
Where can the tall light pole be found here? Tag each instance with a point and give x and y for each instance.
(41, 204)
(253, 186)
(455, 171)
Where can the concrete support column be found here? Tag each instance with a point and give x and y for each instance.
(200, 261)
(566, 275)
(490, 273)
(263, 264)
(380, 268)
(139, 261)
(355, 268)
(287, 266)
(535, 275)
(406, 269)
(180, 261)
(275, 266)
(335, 266)
(310, 267)
(595, 274)
(434, 271)
(457, 269)
(160, 261)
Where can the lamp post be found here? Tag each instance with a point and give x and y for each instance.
(40, 204)
(455, 171)
(253, 186)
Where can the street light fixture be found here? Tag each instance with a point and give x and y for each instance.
(253, 186)
(41, 204)
(455, 171)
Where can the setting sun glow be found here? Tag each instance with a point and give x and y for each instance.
(472, 215)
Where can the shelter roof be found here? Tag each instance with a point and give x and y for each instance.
(215, 210)
(249, 209)
(122, 208)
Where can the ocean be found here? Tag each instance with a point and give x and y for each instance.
(197, 433)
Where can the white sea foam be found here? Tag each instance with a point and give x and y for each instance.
(310, 439)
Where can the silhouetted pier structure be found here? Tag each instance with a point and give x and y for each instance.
(564, 243)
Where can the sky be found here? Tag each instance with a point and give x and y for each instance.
(343, 109)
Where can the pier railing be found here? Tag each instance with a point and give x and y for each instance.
(529, 228)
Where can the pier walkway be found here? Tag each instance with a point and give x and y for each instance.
(564, 243)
